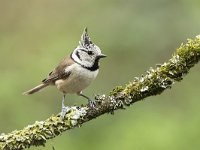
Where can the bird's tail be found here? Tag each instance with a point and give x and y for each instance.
(35, 89)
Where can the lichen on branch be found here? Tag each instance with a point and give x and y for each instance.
(155, 81)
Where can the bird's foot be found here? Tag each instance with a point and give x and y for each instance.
(91, 103)
(64, 110)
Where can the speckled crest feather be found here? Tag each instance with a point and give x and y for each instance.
(85, 40)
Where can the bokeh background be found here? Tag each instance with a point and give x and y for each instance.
(135, 34)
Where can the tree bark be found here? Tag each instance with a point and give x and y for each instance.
(155, 81)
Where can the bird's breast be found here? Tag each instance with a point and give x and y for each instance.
(78, 80)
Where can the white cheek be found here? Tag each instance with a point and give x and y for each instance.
(76, 59)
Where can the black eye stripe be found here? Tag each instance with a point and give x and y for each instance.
(88, 52)
(84, 50)
(78, 55)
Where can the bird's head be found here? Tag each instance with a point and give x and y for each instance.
(87, 54)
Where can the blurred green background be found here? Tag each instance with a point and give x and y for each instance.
(135, 34)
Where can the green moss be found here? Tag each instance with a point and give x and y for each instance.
(153, 83)
(116, 90)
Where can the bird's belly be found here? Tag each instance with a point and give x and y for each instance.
(77, 81)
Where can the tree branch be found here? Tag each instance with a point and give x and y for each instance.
(154, 82)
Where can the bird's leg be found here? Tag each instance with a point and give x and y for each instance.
(65, 109)
(91, 103)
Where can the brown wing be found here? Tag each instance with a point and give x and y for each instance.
(59, 71)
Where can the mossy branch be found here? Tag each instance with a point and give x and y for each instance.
(154, 82)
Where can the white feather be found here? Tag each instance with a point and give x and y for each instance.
(78, 80)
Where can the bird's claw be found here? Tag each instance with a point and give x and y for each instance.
(64, 110)
(91, 103)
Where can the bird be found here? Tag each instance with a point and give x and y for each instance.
(75, 72)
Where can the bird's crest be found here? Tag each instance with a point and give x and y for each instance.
(85, 40)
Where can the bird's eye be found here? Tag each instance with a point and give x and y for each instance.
(90, 53)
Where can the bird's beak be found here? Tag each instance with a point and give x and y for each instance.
(102, 56)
